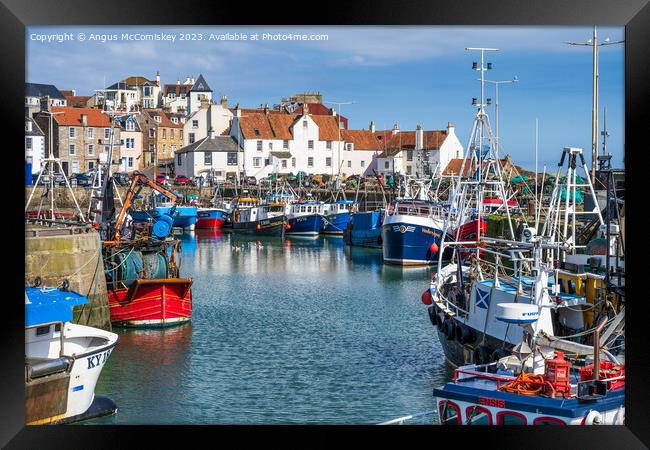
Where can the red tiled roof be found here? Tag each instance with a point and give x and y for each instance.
(165, 120)
(278, 126)
(137, 81)
(71, 117)
(432, 140)
(78, 101)
(362, 139)
(454, 166)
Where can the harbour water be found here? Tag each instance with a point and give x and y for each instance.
(283, 331)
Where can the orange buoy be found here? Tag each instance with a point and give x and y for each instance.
(258, 226)
(434, 248)
(287, 227)
(426, 297)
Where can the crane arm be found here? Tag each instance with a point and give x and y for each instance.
(141, 180)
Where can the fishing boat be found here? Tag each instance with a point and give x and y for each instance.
(413, 229)
(364, 229)
(184, 216)
(210, 218)
(305, 218)
(142, 264)
(63, 360)
(261, 220)
(336, 216)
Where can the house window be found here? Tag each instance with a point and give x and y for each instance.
(310, 162)
(408, 170)
(363, 163)
(257, 162)
(171, 133)
(151, 132)
(304, 124)
(146, 91)
(267, 162)
(131, 161)
(310, 145)
(130, 142)
(477, 415)
(270, 145)
(349, 163)
(195, 124)
(284, 163)
(190, 138)
(386, 165)
(91, 149)
(107, 133)
(259, 146)
(71, 149)
(232, 158)
(178, 159)
(164, 133)
(75, 166)
(328, 145)
(207, 158)
(130, 126)
(409, 155)
(328, 162)
(348, 147)
(72, 132)
(91, 133)
(293, 162)
(449, 413)
(91, 165)
(285, 144)
(28, 143)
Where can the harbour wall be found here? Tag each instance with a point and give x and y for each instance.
(73, 254)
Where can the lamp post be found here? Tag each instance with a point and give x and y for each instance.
(338, 116)
(593, 42)
(496, 105)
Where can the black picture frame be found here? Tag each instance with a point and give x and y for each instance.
(15, 15)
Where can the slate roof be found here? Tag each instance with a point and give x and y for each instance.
(36, 130)
(42, 90)
(201, 85)
(122, 86)
(214, 144)
(176, 89)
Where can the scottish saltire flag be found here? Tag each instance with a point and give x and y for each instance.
(482, 299)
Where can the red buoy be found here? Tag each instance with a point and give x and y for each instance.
(287, 227)
(434, 248)
(426, 297)
(258, 226)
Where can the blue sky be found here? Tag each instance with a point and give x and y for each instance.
(408, 75)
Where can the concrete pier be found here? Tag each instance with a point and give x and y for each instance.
(74, 254)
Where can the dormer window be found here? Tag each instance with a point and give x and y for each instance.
(257, 132)
(157, 119)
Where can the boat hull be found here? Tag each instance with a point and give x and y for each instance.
(212, 219)
(365, 229)
(184, 217)
(336, 223)
(152, 303)
(309, 225)
(274, 226)
(409, 243)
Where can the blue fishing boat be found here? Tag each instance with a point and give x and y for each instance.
(184, 216)
(305, 218)
(364, 229)
(336, 216)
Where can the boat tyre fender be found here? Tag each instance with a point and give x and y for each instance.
(496, 356)
(464, 334)
(449, 328)
(432, 315)
(481, 355)
(440, 319)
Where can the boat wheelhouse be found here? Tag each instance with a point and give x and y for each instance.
(336, 216)
(364, 229)
(63, 360)
(305, 218)
(262, 220)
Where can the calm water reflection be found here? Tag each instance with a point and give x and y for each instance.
(299, 330)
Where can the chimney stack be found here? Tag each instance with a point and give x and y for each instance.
(419, 137)
(372, 126)
(450, 127)
(211, 133)
(224, 102)
(237, 110)
(266, 108)
(395, 128)
(45, 103)
(158, 77)
(84, 120)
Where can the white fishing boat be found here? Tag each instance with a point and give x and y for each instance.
(63, 360)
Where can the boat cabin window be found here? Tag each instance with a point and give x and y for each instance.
(548, 421)
(477, 415)
(309, 209)
(510, 418)
(302, 209)
(449, 413)
(42, 330)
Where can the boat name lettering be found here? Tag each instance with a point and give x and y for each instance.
(485, 401)
(99, 359)
(403, 229)
(433, 233)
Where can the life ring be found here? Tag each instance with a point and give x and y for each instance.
(433, 315)
(37, 281)
(481, 355)
(464, 334)
(448, 328)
